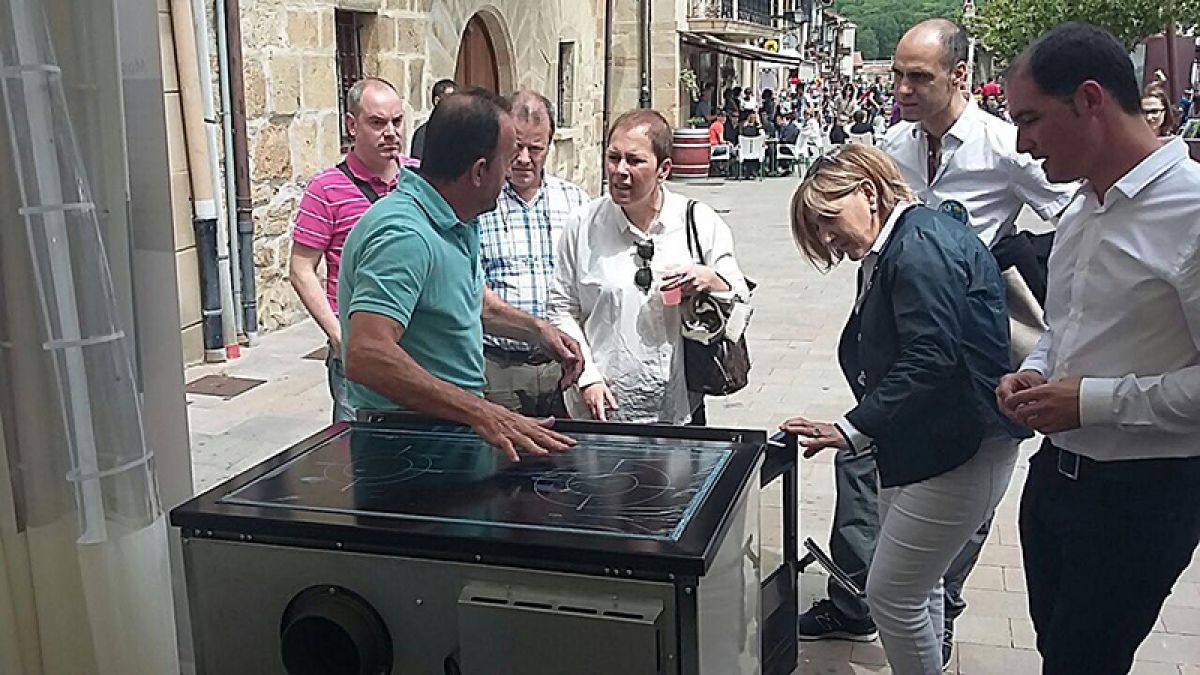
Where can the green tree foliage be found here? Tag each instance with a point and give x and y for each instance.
(883, 22)
(867, 42)
(1005, 27)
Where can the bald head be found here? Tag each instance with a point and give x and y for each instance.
(364, 87)
(943, 35)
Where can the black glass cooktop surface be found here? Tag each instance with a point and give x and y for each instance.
(632, 487)
(637, 499)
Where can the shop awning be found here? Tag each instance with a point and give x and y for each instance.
(741, 51)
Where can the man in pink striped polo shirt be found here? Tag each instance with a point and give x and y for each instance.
(334, 201)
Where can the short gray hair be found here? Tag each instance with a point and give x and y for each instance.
(357, 90)
(530, 106)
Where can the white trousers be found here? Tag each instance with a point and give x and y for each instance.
(922, 527)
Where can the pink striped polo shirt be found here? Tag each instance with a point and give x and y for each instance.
(331, 205)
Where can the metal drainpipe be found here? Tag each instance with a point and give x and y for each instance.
(645, 100)
(608, 62)
(218, 325)
(241, 163)
(225, 265)
(228, 168)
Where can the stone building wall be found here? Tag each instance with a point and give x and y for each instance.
(291, 91)
(666, 17)
(293, 123)
(527, 36)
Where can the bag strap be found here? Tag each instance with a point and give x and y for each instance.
(363, 186)
(693, 235)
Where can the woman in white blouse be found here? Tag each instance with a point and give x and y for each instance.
(619, 258)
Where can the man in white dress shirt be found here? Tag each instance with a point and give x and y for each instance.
(1110, 514)
(954, 154)
(949, 149)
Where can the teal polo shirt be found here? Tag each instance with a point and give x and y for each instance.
(410, 259)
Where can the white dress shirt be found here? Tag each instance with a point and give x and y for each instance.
(981, 169)
(630, 340)
(1123, 307)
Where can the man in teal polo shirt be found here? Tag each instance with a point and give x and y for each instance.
(413, 301)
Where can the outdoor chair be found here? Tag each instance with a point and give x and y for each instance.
(790, 154)
(720, 153)
(863, 139)
(751, 149)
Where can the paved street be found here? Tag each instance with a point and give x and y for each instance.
(798, 316)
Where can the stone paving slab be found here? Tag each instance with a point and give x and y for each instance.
(799, 313)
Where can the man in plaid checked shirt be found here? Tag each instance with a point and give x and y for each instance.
(518, 242)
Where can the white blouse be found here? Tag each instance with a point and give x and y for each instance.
(630, 339)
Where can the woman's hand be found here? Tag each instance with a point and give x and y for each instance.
(694, 279)
(599, 400)
(815, 436)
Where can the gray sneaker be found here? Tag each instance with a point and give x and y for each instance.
(825, 622)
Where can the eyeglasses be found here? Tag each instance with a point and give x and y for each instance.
(643, 277)
(1153, 111)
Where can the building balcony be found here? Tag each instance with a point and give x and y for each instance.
(737, 19)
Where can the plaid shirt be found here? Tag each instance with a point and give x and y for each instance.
(518, 243)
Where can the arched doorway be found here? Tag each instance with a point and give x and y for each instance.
(476, 65)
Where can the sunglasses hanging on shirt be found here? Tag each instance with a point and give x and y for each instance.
(643, 277)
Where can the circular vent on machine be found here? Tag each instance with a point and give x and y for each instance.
(330, 630)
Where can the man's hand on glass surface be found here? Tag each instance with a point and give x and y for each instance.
(509, 432)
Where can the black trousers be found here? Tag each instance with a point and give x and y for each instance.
(1102, 552)
(699, 415)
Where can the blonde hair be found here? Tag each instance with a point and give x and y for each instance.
(832, 177)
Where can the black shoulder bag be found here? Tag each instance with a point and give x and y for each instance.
(714, 364)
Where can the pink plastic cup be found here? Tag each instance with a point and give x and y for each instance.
(672, 296)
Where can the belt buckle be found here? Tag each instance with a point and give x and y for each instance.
(1068, 467)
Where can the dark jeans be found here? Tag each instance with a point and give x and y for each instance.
(338, 387)
(1102, 553)
(699, 415)
(856, 529)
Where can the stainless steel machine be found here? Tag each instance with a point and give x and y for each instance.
(407, 545)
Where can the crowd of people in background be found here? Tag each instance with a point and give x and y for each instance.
(828, 114)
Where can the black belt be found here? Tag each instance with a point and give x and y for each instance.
(1078, 468)
(508, 357)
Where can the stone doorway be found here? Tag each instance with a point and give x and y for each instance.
(477, 66)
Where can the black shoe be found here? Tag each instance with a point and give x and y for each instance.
(825, 622)
(947, 644)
